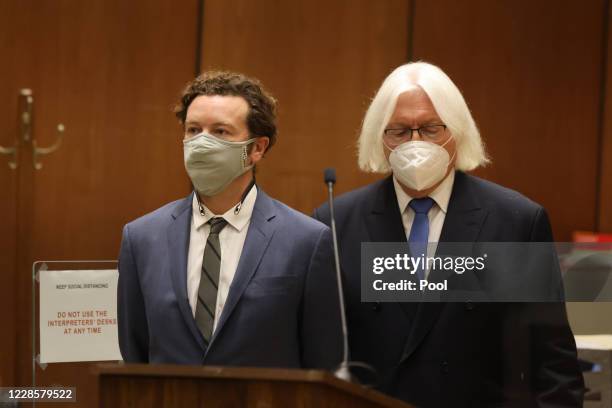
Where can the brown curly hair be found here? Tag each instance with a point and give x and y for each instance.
(262, 106)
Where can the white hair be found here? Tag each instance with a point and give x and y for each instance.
(448, 103)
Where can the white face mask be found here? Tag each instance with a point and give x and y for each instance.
(213, 163)
(419, 165)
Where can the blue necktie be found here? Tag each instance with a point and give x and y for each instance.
(419, 233)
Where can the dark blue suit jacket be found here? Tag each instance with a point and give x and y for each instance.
(457, 354)
(282, 306)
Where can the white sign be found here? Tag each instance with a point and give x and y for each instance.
(78, 316)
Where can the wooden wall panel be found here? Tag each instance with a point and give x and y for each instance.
(594, 318)
(323, 61)
(111, 72)
(605, 181)
(8, 198)
(530, 72)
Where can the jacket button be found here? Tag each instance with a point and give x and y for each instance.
(444, 367)
(376, 306)
(469, 305)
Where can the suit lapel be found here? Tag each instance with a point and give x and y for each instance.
(178, 248)
(463, 222)
(261, 229)
(384, 223)
(384, 219)
(465, 214)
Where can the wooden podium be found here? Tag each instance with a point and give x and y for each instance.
(143, 385)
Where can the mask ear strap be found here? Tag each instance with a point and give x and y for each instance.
(454, 153)
(245, 156)
(448, 140)
(385, 145)
(245, 153)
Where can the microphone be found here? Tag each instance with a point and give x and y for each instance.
(343, 371)
(330, 177)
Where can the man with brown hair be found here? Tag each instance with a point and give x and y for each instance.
(228, 275)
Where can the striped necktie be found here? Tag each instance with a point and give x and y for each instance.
(209, 280)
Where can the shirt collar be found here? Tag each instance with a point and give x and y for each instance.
(237, 221)
(440, 195)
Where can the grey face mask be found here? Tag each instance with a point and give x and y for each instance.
(213, 163)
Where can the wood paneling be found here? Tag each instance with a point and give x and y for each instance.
(8, 196)
(140, 385)
(111, 72)
(530, 72)
(323, 61)
(594, 318)
(605, 181)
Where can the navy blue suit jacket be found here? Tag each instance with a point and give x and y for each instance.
(282, 306)
(457, 354)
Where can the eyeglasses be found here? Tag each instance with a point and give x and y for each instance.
(430, 133)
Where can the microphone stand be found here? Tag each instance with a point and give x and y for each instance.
(342, 371)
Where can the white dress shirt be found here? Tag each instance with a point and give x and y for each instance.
(437, 213)
(231, 240)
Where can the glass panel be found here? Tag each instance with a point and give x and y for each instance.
(74, 320)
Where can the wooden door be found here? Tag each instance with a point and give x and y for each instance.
(110, 71)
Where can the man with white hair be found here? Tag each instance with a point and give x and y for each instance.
(419, 128)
